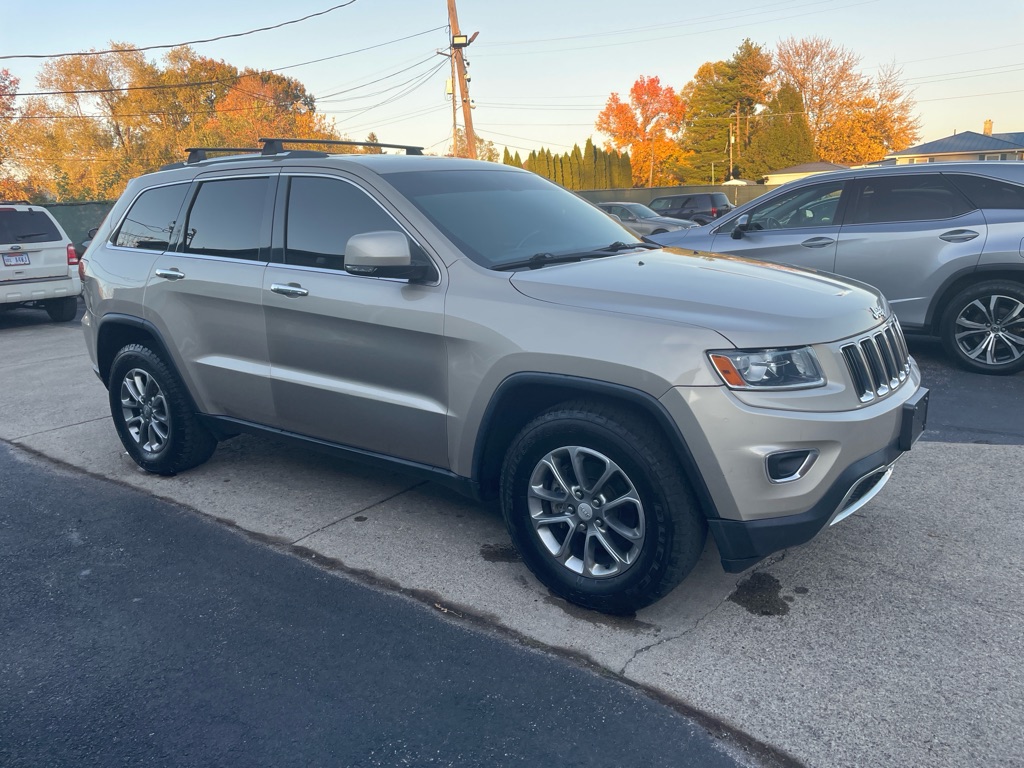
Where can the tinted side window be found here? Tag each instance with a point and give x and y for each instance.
(322, 215)
(813, 206)
(719, 200)
(26, 227)
(226, 218)
(989, 193)
(661, 204)
(925, 197)
(151, 219)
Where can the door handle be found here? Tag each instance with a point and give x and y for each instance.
(958, 235)
(817, 242)
(170, 274)
(291, 290)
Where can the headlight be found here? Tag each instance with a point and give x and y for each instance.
(768, 368)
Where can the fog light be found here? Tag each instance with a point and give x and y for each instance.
(787, 466)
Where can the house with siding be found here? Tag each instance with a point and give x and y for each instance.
(965, 146)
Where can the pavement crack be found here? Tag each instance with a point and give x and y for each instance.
(624, 672)
(58, 429)
(358, 511)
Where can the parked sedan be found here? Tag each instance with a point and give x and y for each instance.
(643, 220)
(942, 241)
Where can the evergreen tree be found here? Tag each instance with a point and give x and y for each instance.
(589, 172)
(507, 158)
(781, 136)
(517, 161)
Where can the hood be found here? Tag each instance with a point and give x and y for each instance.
(753, 304)
(665, 220)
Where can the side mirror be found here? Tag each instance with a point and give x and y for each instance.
(383, 254)
(92, 232)
(741, 226)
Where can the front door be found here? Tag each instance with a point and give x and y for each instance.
(798, 227)
(355, 360)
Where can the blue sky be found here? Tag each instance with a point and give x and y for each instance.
(541, 71)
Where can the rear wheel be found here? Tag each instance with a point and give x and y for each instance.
(597, 506)
(62, 310)
(153, 415)
(983, 327)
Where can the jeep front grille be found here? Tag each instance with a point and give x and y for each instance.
(879, 362)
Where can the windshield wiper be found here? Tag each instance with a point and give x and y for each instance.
(539, 260)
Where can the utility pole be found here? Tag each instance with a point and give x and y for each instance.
(460, 41)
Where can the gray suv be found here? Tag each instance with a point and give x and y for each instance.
(486, 329)
(942, 241)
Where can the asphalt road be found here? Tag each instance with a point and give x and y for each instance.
(137, 633)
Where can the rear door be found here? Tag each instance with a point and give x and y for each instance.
(355, 360)
(32, 245)
(205, 296)
(907, 234)
(798, 227)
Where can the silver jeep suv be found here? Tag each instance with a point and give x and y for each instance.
(489, 330)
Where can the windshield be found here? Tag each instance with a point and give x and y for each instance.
(503, 216)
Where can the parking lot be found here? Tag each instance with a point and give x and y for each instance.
(894, 638)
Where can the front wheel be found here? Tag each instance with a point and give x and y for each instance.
(982, 328)
(152, 414)
(597, 507)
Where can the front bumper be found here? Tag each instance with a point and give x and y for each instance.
(757, 517)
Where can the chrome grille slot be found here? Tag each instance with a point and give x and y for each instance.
(879, 362)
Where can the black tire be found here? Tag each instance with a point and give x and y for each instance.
(62, 310)
(982, 327)
(153, 415)
(672, 531)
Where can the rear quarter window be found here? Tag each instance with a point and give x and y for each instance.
(989, 193)
(151, 219)
(21, 227)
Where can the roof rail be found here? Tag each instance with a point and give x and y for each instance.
(15, 202)
(276, 146)
(198, 154)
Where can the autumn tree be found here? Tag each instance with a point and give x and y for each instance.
(485, 150)
(852, 118)
(648, 126)
(113, 116)
(780, 136)
(10, 188)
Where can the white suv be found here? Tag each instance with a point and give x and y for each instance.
(39, 266)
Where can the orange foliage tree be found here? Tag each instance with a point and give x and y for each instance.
(648, 126)
(110, 117)
(853, 118)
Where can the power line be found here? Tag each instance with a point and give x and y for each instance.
(234, 78)
(175, 45)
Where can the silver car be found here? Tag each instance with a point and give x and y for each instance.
(942, 241)
(484, 328)
(642, 220)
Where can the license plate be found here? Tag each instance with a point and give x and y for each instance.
(16, 260)
(915, 419)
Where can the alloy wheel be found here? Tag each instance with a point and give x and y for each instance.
(586, 512)
(145, 410)
(990, 330)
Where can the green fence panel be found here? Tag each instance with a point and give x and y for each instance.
(78, 218)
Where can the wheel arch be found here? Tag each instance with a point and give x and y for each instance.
(963, 280)
(116, 331)
(522, 397)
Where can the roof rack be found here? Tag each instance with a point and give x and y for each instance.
(198, 154)
(15, 202)
(276, 146)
